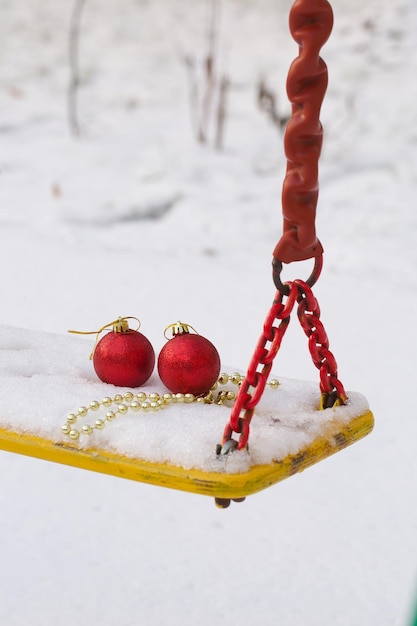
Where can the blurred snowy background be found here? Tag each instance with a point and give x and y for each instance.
(136, 217)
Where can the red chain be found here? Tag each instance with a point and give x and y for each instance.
(253, 384)
(309, 316)
(311, 23)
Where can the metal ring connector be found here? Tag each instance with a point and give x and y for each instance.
(284, 288)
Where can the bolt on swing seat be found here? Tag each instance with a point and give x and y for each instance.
(295, 424)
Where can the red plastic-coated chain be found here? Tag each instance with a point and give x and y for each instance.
(259, 368)
(318, 343)
(311, 22)
(253, 384)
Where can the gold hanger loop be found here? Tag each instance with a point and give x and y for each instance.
(179, 328)
(120, 325)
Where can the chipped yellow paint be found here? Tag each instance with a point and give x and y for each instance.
(338, 435)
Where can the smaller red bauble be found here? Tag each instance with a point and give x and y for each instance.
(188, 363)
(124, 357)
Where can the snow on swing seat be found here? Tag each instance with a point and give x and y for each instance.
(46, 376)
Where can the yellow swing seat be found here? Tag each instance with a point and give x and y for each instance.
(336, 435)
(47, 376)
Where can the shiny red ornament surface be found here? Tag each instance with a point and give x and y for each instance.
(189, 363)
(124, 359)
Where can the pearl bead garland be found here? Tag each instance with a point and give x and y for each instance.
(148, 402)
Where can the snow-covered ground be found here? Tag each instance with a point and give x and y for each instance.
(136, 218)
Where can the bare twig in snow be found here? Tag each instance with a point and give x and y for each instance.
(267, 101)
(205, 86)
(221, 112)
(190, 66)
(73, 53)
(210, 68)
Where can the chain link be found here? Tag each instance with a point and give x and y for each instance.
(275, 326)
(318, 344)
(259, 368)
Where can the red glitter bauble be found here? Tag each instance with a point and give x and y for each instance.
(124, 359)
(189, 363)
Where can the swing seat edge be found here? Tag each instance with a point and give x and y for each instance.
(337, 436)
